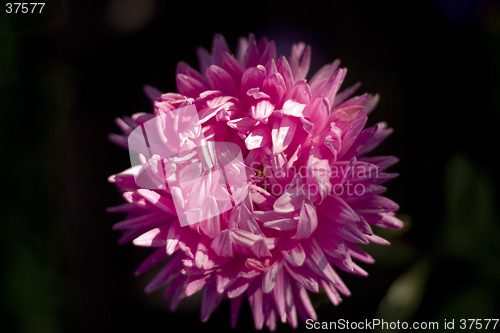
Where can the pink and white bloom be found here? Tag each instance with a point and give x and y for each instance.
(307, 193)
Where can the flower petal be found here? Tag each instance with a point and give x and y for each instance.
(296, 256)
(271, 276)
(233, 67)
(259, 137)
(220, 80)
(219, 48)
(152, 93)
(189, 86)
(302, 54)
(235, 308)
(292, 108)
(283, 133)
(253, 77)
(274, 86)
(308, 221)
(211, 300)
(262, 110)
(222, 244)
(323, 75)
(284, 69)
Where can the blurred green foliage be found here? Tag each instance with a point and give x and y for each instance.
(34, 98)
(459, 275)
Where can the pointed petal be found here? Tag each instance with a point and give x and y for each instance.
(284, 69)
(376, 204)
(150, 221)
(173, 236)
(295, 256)
(351, 233)
(152, 93)
(292, 108)
(251, 58)
(382, 161)
(330, 88)
(282, 224)
(176, 290)
(269, 53)
(260, 248)
(274, 86)
(243, 125)
(202, 257)
(255, 93)
(323, 75)
(220, 80)
(153, 238)
(359, 254)
(371, 103)
(238, 288)
(351, 132)
(362, 100)
(302, 54)
(308, 221)
(291, 200)
(337, 210)
(222, 244)
(253, 77)
(345, 94)
(219, 47)
(270, 277)
(255, 298)
(283, 133)
(235, 308)
(279, 295)
(211, 300)
(195, 283)
(174, 265)
(318, 112)
(368, 140)
(331, 292)
(151, 261)
(262, 110)
(158, 200)
(318, 262)
(241, 50)
(300, 92)
(184, 68)
(291, 311)
(233, 67)
(259, 137)
(304, 277)
(211, 227)
(303, 303)
(204, 58)
(189, 86)
(378, 240)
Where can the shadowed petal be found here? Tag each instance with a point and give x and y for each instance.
(219, 79)
(300, 60)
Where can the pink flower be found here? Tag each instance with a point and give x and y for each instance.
(308, 193)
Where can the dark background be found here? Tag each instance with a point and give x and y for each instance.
(67, 74)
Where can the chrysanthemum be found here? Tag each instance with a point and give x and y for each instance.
(309, 193)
